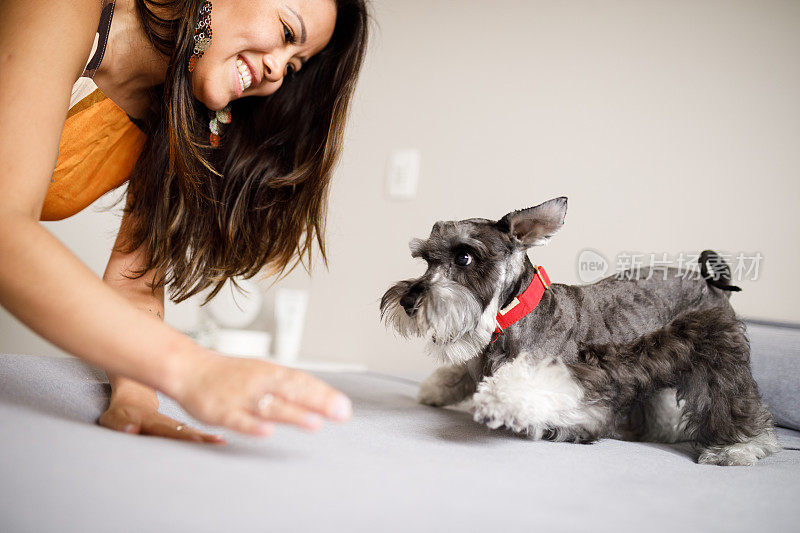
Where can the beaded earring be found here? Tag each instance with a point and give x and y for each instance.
(202, 35)
(223, 116)
(202, 40)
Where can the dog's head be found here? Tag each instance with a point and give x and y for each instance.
(471, 263)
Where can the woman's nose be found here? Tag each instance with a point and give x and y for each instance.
(274, 68)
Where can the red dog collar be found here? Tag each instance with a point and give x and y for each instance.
(524, 303)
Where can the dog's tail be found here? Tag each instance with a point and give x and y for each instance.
(720, 275)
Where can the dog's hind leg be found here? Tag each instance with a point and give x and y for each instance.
(705, 356)
(728, 421)
(724, 413)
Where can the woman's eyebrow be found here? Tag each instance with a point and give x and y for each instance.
(303, 34)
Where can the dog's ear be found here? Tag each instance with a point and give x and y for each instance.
(534, 226)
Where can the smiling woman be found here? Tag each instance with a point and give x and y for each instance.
(258, 44)
(276, 155)
(226, 120)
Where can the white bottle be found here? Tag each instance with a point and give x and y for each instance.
(290, 314)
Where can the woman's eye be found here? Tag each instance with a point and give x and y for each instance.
(290, 69)
(463, 259)
(288, 35)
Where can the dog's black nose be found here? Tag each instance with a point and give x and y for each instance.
(409, 299)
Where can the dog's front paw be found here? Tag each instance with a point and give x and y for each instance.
(433, 394)
(490, 411)
(446, 386)
(486, 416)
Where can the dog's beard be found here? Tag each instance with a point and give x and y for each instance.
(447, 314)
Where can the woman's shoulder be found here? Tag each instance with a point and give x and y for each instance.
(59, 34)
(45, 45)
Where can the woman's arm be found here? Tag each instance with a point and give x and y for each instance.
(43, 46)
(133, 407)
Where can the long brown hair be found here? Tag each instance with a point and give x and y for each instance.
(203, 215)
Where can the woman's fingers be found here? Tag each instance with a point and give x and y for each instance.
(135, 420)
(245, 395)
(311, 393)
(249, 424)
(276, 409)
(164, 426)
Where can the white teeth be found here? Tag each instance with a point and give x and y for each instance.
(244, 74)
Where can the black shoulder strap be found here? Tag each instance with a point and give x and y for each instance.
(102, 39)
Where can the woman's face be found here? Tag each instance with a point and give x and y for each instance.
(256, 43)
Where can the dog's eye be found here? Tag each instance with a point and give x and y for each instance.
(463, 259)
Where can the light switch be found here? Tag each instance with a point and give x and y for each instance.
(403, 174)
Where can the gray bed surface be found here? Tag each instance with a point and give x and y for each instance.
(775, 361)
(397, 466)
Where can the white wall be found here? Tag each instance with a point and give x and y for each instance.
(671, 125)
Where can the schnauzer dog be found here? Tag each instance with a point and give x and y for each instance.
(640, 356)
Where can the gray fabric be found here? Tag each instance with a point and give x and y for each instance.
(775, 353)
(397, 466)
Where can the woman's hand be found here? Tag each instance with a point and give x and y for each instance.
(249, 395)
(138, 418)
(134, 409)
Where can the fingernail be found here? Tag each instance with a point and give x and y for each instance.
(217, 437)
(342, 408)
(129, 428)
(312, 421)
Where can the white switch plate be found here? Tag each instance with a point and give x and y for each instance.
(402, 176)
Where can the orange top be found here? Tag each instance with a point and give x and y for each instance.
(99, 144)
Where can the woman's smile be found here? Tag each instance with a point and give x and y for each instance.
(245, 76)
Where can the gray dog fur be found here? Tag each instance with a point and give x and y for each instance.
(651, 356)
